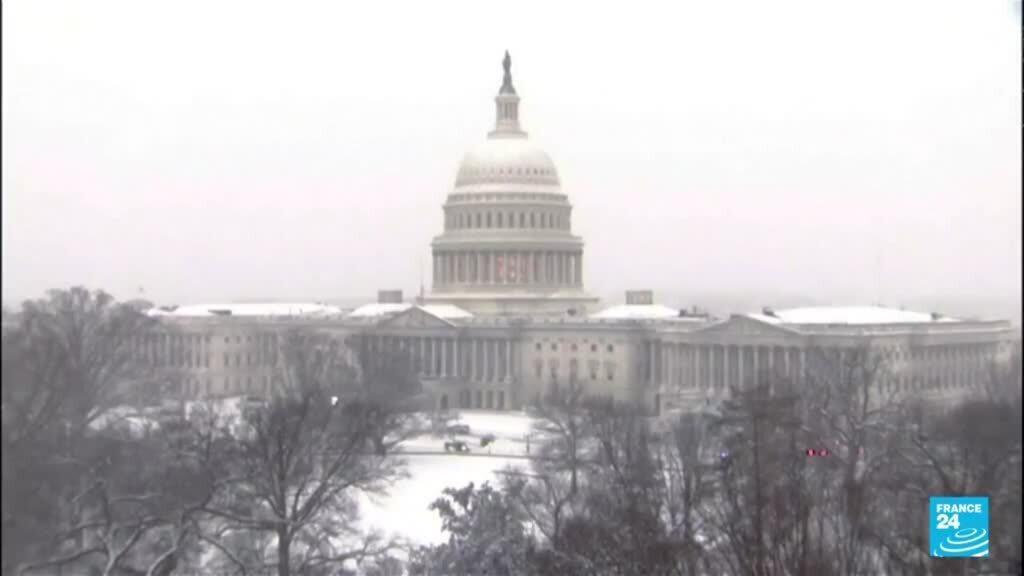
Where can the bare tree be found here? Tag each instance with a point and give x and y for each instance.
(760, 513)
(67, 359)
(561, 422)
(303, 459)
(687, 456)
(852, 410)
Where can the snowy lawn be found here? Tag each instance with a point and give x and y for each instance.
(405, 512)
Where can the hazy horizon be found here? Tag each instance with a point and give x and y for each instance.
(205, 153)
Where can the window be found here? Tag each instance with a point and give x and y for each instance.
(522, 220)
(609, 369)
(500, 224)
(554, 347)
(594, 366)
(538, 346)
(574, 347)
(611, 348)
(227, 340)
(227, 360)
(531, 220)
(488, 219)
(593, 347)
(539, 368)
(574, 368)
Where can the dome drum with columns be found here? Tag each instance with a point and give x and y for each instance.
(507, 246)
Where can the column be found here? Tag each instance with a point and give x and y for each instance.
(474, 350)
(726, 367)
(579, 268)
(713, 368)
(443, 345)
(698, 377)
(488, 362)
(508, 361)
(742, 366)
(771, 363)
(757, 365)
(802, 365)
(457, 372)
(431, 362)
(690, 368)
(665, 366)
(650, 363)
(785, 363)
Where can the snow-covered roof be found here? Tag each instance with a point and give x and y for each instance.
(376, 309)
(253, 309)
(849, 315)
(637, 312)
(446, 311)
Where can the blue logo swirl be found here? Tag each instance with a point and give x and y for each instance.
(967, 542)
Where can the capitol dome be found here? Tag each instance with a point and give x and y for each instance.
(507, 247)
(504, 160)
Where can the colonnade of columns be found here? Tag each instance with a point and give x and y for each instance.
(501, 267)
(720, 366)
(474, 359)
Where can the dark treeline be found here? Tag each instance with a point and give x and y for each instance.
(734, 491)
(93, 490)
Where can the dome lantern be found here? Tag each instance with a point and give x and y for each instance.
(506, 124)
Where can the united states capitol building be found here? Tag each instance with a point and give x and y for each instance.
(508, 317)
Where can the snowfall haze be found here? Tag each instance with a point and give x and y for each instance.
(783, 151)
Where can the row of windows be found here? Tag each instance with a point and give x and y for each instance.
(251, 359)
(593, 347)
(172, 339)
(263, 339)
(593, 369)
(534, 220)
(250, 385)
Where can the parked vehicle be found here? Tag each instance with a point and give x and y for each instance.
(487, 439)
(455, 446)
(459, 429)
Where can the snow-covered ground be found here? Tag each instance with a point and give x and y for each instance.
(404, 512)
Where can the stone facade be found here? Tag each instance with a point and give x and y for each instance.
(508, 319)
(505, 363)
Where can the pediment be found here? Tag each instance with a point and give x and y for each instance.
(744, 326)
(415, 318)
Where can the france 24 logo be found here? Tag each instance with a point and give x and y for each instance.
(958, 526)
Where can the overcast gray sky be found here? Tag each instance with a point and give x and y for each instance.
(860, 151)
